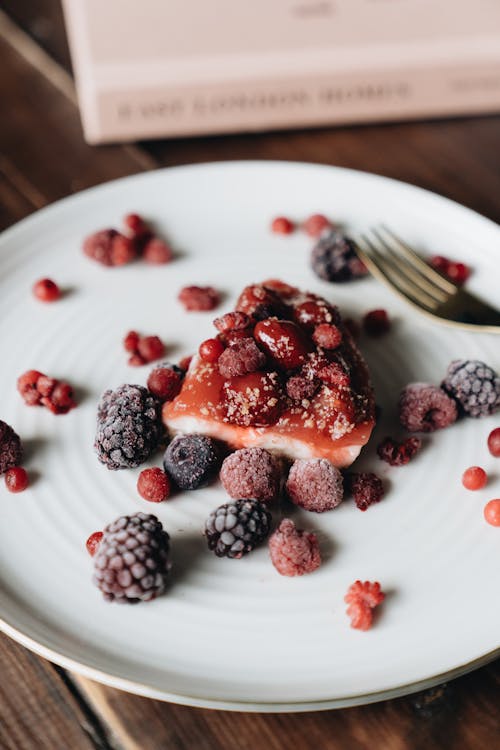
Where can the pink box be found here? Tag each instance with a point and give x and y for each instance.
(159, 68)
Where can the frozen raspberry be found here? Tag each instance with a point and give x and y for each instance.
(153, 485)
(236, 528)
(16, 479)
(376, 323)
(11, 449)
(424, 408)
(128, 427)
(93, 542)
(165, 381)
(135, 360)
(150, 348)
(362, 598)
(366, 489)
(199, 298)
(398, 454)
(474, 385)
(294, 552)
(157, 251)
(334, 375)
(136, 225)
(316, 224)
(492, 512)
(334, 258)
(39, 390)
(241, 358)
(282, 225)
(474, 478)
(494, 442)
(232, 321)
(46, 290)
(109, 247)
(261, 303)
(131, 341)
(211, 349)
(315, 484)
(252, 400)
(27, 387)
(192, 460)
(251, 473)
(132, 561)
(299, 388)
(123, 250)
(327, 336)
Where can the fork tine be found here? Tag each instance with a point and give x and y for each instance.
(421, 265)
(411, 272)
(374, 260)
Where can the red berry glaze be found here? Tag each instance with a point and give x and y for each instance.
(282, 225)
(376, 323)
(199, 298)
(283, 341)
(474, 478)
(315, 225)
(16, 479)
(46, 290)
(131, 341)
(494, 442)
(210, 350)
(153, 485)
(253, 400)
(492, 512)
(327, 336)
(93, 542)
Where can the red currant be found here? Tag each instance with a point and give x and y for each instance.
(130, 341)
(46, 290)
(282, 225)
(16, 479)
(153, 485)
(494, 442)
(315, 225)
(211, 349)
(492, 512)
(474, 478)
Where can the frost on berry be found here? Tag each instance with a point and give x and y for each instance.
(251, 473)
(425, 408)
(398, 454)
(293, 551)
(315, 484)
(366, 488)
(475, 387)
(241, 358)
(200, 298)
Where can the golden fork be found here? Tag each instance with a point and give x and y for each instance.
(395, 263)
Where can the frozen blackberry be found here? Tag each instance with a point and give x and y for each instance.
(474, 385)
(192, 460)
(128, 426)
(424, 408)
(236, 528)
(11, 450)
(132, 560)
(334, 258)
(315, 484)
(251, 473)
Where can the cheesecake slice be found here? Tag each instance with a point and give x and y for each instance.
(290, 379)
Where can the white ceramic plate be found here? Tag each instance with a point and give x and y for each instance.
(234, 634)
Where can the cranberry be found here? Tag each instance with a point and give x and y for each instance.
(253, 400)
(46, 290)
(93, 542)
(474, 478)
(153, 485)
(16, 479)
(131, 341)
(458, 273)
(157, 251)
(150, 348)
(315, 225)
(199, 298)
(165, 382)
(439, 262)
(283, 341)
(492, 512)
(327, 336)
(60, 400)
(260, 302)
(376, 323)
(282, 225)
(210, 350)
(232, 321)
(494, 442)
(314, 311)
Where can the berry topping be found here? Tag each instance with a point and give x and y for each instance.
(316, 224)
(314, 311)
(398, 454)
(236, 528)
(128, 427)
(315, 484)
(424, 408)
(240, 358)
(16, 479)
(494, 442)
(165, 381)
(456, 272)
(46, 290)
(232, 321)
(282, 225)
(39, 390)
(153, 485)
(200, 298)
(334, 375)
(284, 342)
(376, 323)
(251, 473)
(192, 460)
(11, 449)
(362, 598)
(327, 336)
(109, 247)
(474, 385)
(132, 561)
(474, 478)
(298, 388)
(157, 251)
(253, 400)
(93, 542)
(211, 349)
(294, 552)
(366, 489)
(131, 341)
(260, 302)
(334, 258)
(492, 512)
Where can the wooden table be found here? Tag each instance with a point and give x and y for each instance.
(42, 158)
